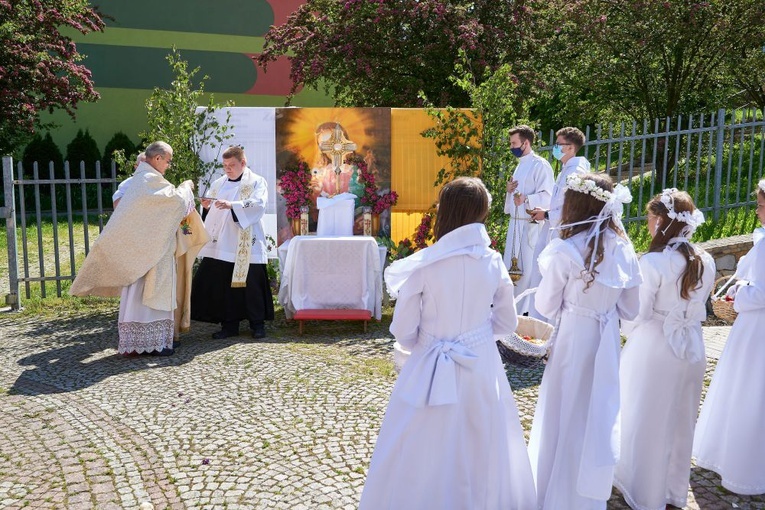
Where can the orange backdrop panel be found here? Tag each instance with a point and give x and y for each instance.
(414, 167)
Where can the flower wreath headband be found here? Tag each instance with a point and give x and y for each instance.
(612, 209)
(691, 219)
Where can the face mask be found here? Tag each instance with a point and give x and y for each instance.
(557, 151)
(517, 151)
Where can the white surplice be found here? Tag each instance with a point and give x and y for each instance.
(659, 410)
(576, 165)
(574, 438)
(220, 224)
(535, 181)
(451, 437)
(729, 433)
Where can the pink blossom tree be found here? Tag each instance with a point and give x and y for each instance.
(383, 52)
(40, 68)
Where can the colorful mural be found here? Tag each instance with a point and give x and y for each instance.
(128, 59)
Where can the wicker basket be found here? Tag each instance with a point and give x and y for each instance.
(531, 327)
(722, 309)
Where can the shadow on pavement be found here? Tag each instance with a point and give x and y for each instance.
(74, 353)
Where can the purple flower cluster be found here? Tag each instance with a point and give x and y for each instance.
(295, 183)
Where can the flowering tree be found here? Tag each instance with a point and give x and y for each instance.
(40, 68)
(383, 52)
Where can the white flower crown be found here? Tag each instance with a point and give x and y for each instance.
(693, 219)
(588, 187)
(576, 183)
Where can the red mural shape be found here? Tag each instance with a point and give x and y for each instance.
(276, 82)
(283, 8)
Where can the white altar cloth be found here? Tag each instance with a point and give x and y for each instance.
(331, 273)
(335, 215)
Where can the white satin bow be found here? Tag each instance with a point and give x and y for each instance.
(433, 380)
(682, 327)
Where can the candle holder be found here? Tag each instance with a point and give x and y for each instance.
(367, 220)
(304, 220)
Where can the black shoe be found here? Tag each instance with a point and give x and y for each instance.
(220, 335)
(176, 344)
(164, 352)
(258, 331)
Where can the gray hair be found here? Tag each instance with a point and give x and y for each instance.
(158, 149)
(141, 157)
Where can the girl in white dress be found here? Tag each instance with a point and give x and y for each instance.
(729, 434)
(663, 363)
(451, 437)
(590, 280)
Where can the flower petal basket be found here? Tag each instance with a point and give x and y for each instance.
(531, 338)
(722, 308)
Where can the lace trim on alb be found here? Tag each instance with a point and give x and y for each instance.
(145, 336)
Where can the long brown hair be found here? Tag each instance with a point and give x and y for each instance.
(579, 206)
(668, 229)
(462, 201)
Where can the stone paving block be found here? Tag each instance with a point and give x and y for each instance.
(283, 423)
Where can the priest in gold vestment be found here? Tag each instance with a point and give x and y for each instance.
(134, 257)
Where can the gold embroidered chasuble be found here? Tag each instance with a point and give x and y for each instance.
(139, 240)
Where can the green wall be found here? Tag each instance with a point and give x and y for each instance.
(128, 60)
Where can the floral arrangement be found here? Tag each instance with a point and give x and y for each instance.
(295, 183)
(370, 197)
(421, 236)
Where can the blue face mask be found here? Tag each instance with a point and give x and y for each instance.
(517, 151)
(557, 151)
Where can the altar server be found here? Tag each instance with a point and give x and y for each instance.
(530, 188)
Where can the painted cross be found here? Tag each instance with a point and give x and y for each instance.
(336, 147)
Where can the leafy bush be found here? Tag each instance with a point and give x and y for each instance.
(120, 141)
(83, 148)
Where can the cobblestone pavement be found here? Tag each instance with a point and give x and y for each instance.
(289, 422)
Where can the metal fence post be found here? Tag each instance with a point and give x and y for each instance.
(719, 162)
(14, 297)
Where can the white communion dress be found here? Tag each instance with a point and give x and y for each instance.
(574, 440)
(661, 375)
(451, 437)
(729, 433)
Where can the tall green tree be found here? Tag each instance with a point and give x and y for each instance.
(40, 69)
(383, 52)
(648, 59)
(184, 118)
(476, 140)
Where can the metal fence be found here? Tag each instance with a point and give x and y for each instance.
(717, 158)
(34, 204)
